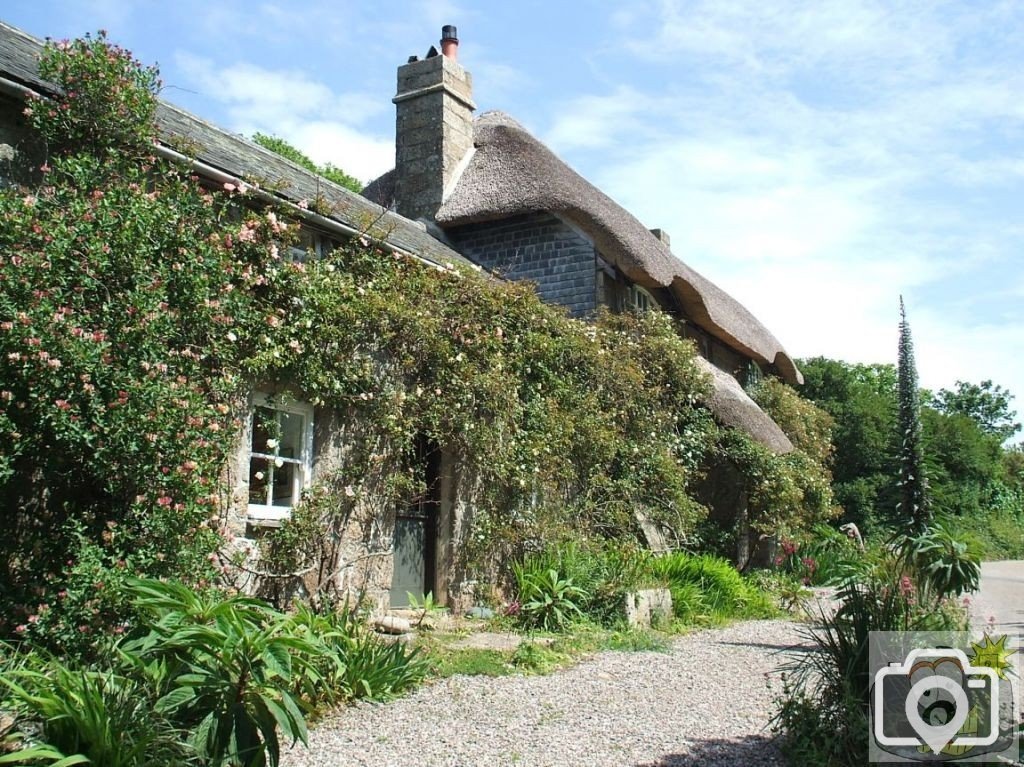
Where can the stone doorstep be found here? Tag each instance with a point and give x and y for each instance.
(406, 621)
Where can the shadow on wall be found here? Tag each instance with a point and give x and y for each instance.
(759, 750)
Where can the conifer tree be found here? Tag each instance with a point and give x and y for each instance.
(914, 507)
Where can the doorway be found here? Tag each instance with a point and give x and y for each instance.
(415, 546)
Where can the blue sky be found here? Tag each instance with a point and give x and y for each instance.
(816, 160)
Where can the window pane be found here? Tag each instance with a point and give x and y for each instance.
(260, 475)
(291, 435)
(284, 484)
(264, 426)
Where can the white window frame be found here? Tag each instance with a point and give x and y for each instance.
(265, 513)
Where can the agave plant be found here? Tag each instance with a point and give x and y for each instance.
(948, 564)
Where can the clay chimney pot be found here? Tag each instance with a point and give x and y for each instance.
(450, 42)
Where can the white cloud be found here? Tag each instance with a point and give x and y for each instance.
(818, 160)
(608, 120)
(947, 353)
(774, 38)
(358, 154)
(324, 124)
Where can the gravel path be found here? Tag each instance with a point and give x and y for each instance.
(707, 702)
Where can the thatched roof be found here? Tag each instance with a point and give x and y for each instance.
(732, 407)
(511, 172)
(239, 157)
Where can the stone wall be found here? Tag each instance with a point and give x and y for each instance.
(19, 155)
(537, 247)
(354, 558)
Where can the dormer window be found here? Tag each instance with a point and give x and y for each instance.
(638, 299)
(310, 245)
(280, 456)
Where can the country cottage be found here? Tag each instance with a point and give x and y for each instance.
(476, 192)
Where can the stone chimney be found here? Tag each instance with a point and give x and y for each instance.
(434, 127)
(662, 235)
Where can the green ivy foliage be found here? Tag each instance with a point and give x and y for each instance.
(140, 308)
(787, 493)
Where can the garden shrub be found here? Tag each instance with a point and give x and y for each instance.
(590, 582)
(547, 599)
(823, 557)
(206, 679)
(823, 709)
(948, 565)
(705, 582)
(996, 532)
(221, 667)
(602, 572)
(102, 715)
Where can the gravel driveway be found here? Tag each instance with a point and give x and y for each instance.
(707, 702)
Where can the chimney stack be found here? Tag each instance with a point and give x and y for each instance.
(434, 128)
(450, 42)
(662, 235)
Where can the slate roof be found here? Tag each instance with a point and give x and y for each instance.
(239, 157)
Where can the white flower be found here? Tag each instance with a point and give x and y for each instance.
(272, 443)
(278, 463)
(259, 475)
(231, 337)
(350, 491)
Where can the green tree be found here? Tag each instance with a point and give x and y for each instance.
(862, 401)
(987, 404)
(289, 152)
(963, 463)
(914, 504)
(1013, 467)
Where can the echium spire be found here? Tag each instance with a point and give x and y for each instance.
(914, 507)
